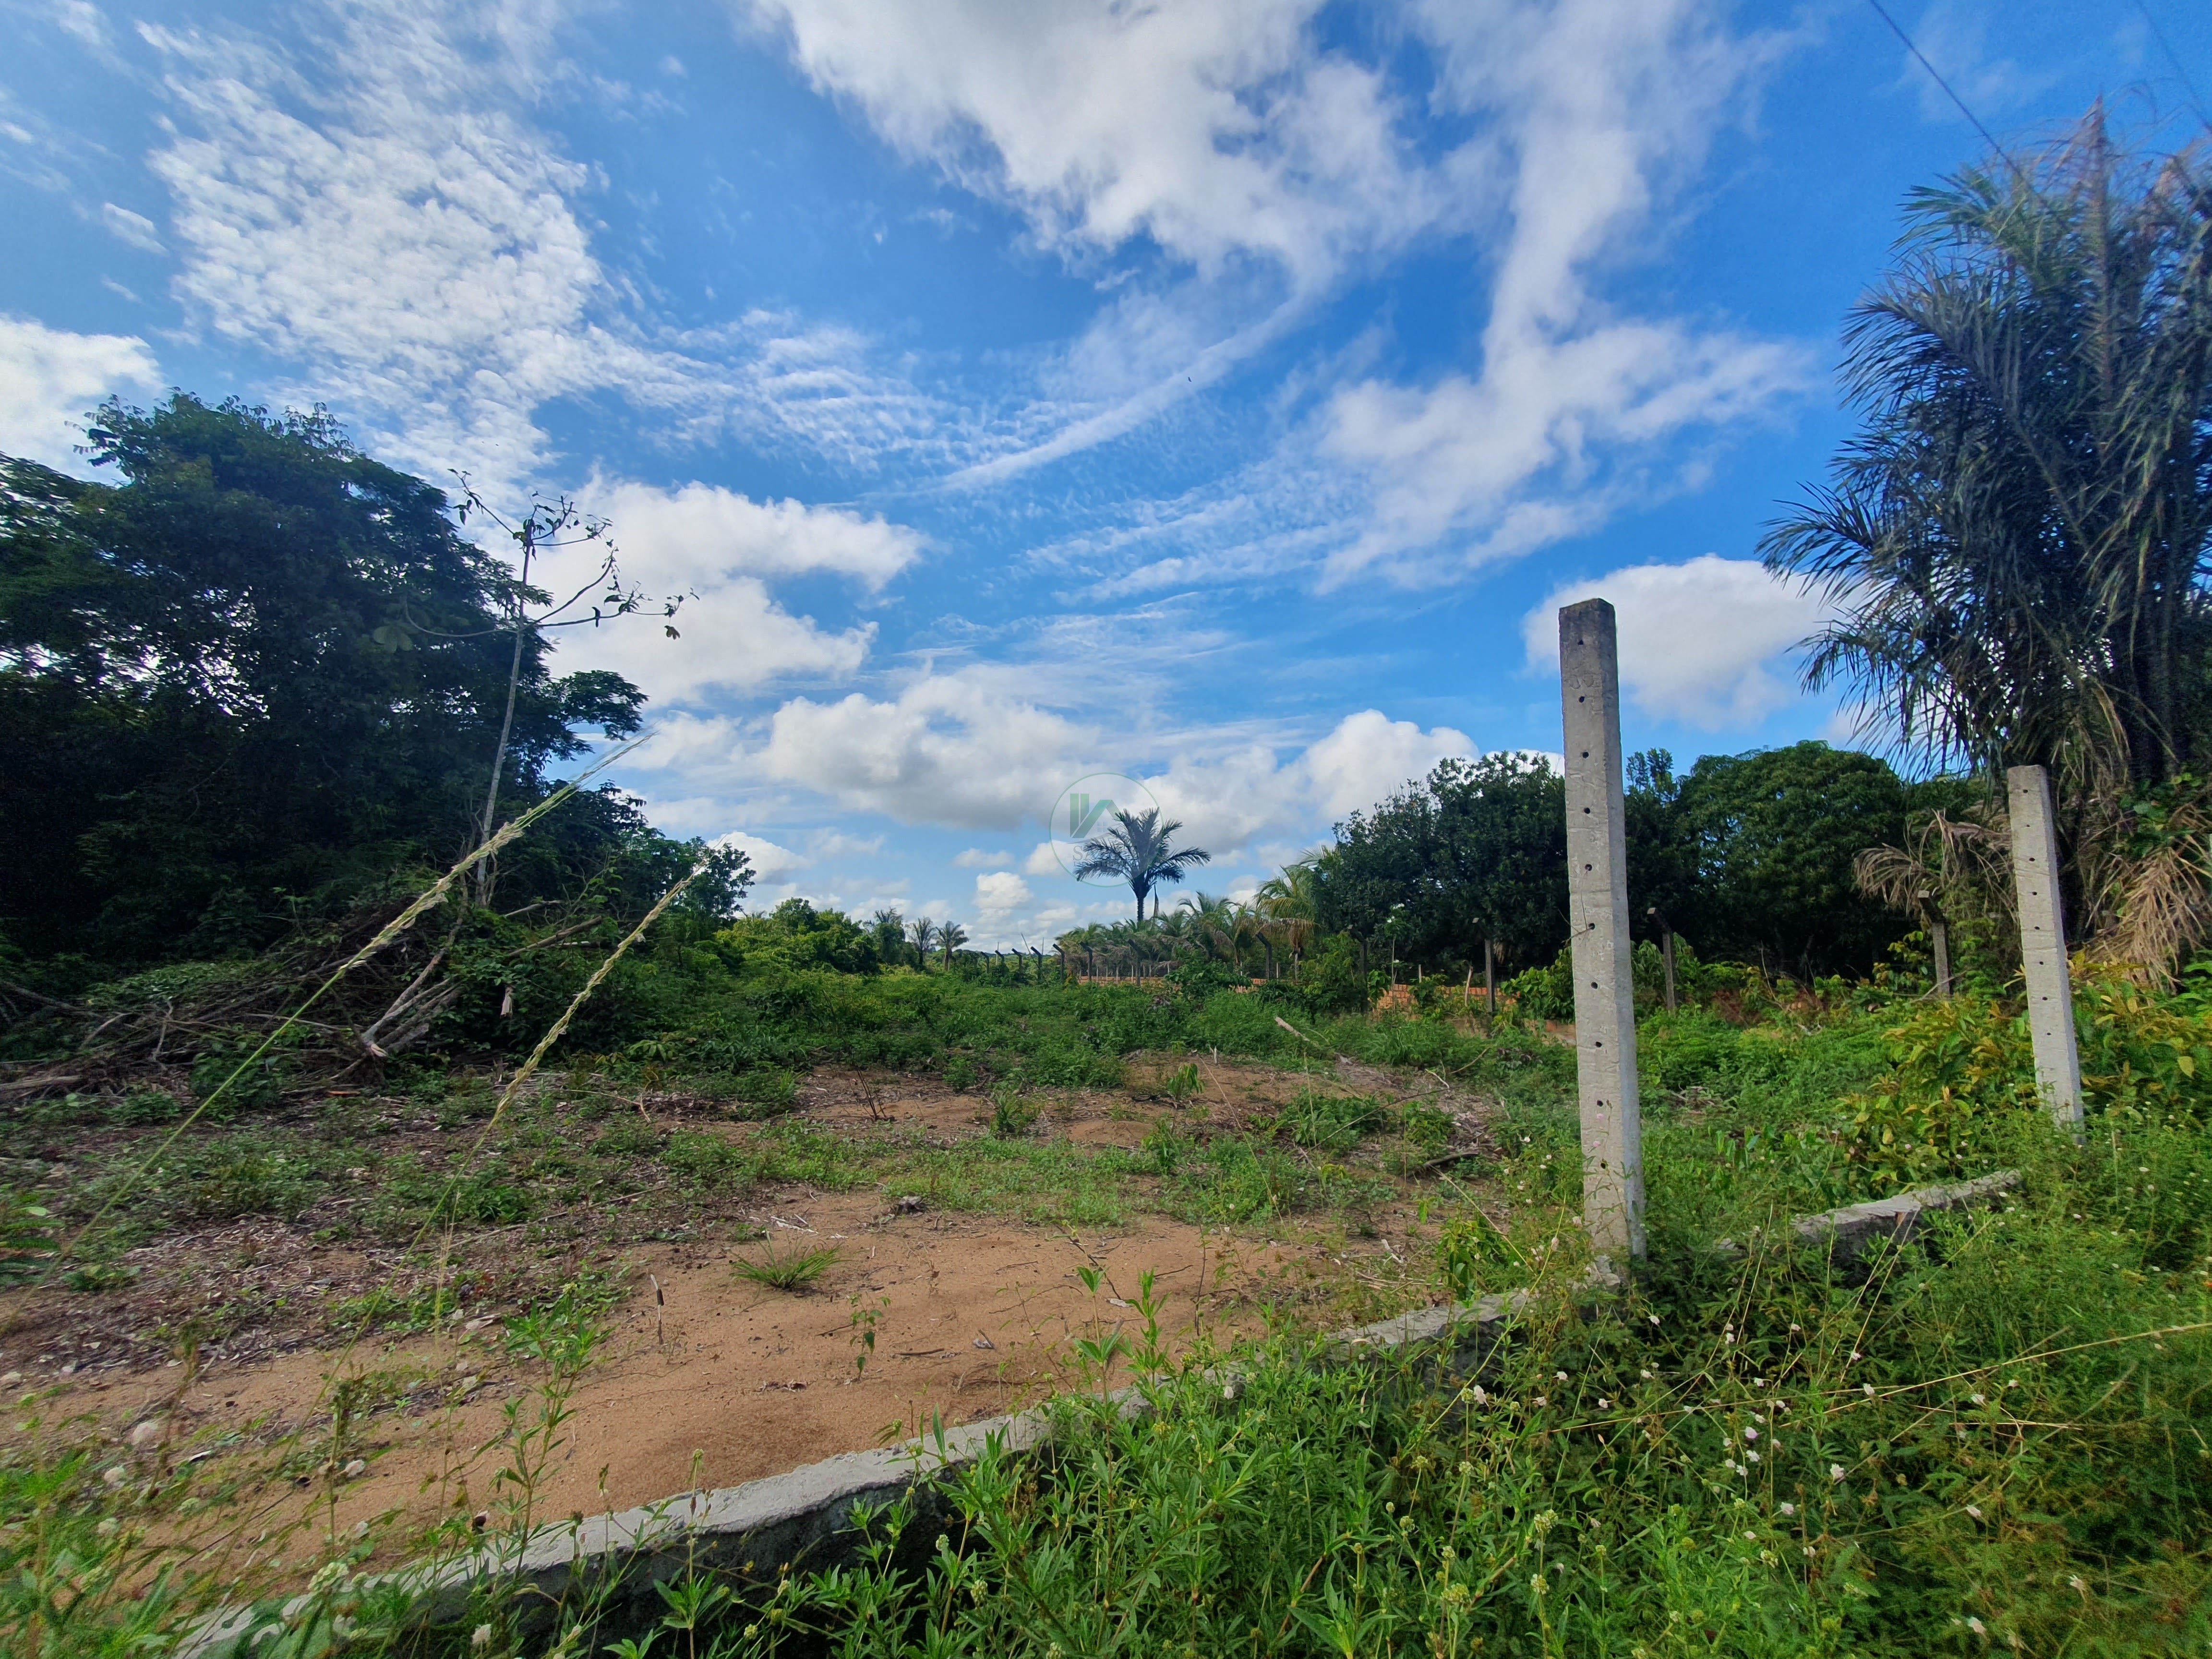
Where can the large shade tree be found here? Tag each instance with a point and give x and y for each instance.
(1140, 849)
(2016, 541)
(251, 675)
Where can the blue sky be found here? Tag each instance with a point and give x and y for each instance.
(1220, 394)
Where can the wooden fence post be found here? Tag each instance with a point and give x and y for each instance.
(1597, 914)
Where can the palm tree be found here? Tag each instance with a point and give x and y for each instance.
(1214, 922)
(1136, 850)
(951, 936)
(921, 933)
(888, 928)
(2017, 541)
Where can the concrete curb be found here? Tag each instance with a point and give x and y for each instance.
(1850, 1232)
(754, 1530)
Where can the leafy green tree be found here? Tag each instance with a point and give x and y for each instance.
(1140, 849)
(2016, 540)
(1774, 834)
(922, 936)
(1478, 850)
(887, 929)
(951, 936)
(251, 678)
(797, 935)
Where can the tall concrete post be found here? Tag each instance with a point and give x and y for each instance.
(1597, 914)
(2042, 944)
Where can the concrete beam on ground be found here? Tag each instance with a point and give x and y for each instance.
(1597, 913)
(2042, 944)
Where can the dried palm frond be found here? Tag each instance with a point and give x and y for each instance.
(1951, 869)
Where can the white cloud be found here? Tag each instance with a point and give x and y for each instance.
(374, 208)
(1699, 639)
(135, 229)
(1216, 131)
(716, 548)
(773, 865)
(1598, 105)
(966, 749)
(50, 380)
(701, 533)
(1369, 755)
(1261, 164)
(835, 843)
(1954, 37)
(1000, 894)
(734, 636)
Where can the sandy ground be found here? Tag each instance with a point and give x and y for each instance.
(710, 1379)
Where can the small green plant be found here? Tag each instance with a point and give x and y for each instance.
(863, 1323)
(1184, 1085)
(1330, 1122)
(793, 1272)
(138, 1106)
(764, 1093)
(1013, 1114)
(27, 1238)
(1164, 1146)
(959, 1074)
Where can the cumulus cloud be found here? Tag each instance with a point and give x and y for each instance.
(1214, 131)
(1001, 893)
(773, 865)
(1369, 755)
(50, 380)
(702, 532)
(1698, 640)
(962, 749)
(716, 549)
(974, 858)
(1262, 163)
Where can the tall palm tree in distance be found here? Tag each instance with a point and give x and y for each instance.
(921, 933)
(951, 936)
(1138, 849)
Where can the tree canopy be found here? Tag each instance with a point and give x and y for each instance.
(257, 672)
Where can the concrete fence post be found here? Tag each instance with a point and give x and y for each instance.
(2042, 944)
(1597, 914)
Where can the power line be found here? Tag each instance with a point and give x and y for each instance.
(1921, 58)
(2172, 58)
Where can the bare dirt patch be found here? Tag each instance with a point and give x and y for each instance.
(710, 1378)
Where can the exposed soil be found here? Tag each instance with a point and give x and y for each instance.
(710, 1378)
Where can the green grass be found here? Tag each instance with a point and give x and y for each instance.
(1056, 1182)
(792, 1272)
(1999, 1439)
